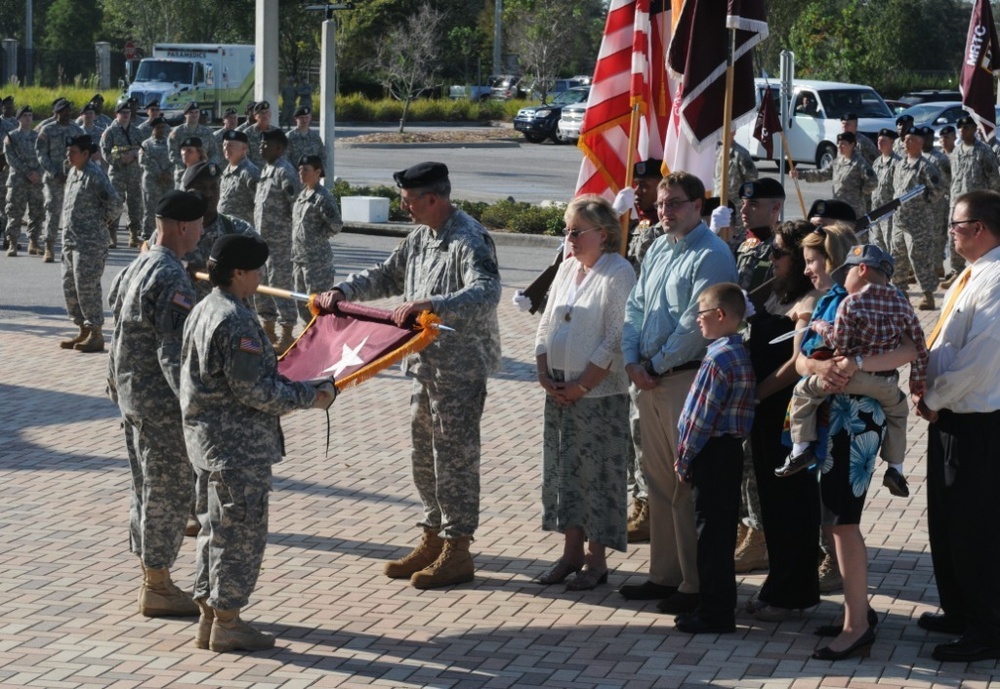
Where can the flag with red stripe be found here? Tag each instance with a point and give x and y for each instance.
(768, 123)
(982, 59)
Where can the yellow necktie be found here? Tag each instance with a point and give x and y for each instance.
(962, 282)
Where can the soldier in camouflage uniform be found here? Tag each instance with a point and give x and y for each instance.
(303, 141)
(288, 94)
(152, 113)
(947, 136)
(100, 119)
(943, 204)
(741, 170)
(315, 219)
(120, 145)
(230, 120)
(865, 146)
(913, 225)
(90, 203)
(24, 186)
(880, 234)
(446, 265)
(903, 124)
(255, 133)
(239, 178)
(7, 125)
(157, 172)
(852, 176)
(248, 114)
(231, 399)
(279, 185)
(8, 111)
(150, 301)
(191, 129)
(50, 149)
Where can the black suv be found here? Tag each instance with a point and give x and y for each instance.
(539, 122)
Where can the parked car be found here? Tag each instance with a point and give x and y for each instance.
(458, 92)
(539, 122)
(814, 119)
(935, 115)
(930, 96)
(897, 106)
(558, 86)
(506, 86)
(568, 129)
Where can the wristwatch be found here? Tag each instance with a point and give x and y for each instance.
(857, 360)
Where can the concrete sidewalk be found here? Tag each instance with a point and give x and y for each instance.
(68, 583)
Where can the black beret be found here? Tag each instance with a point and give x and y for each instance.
(946, 130)
(181, 205)
(848, 117)
(8, 99)
(888, 133)
(302, 112)
(832, 209)
(421, 175)
(904, 118)
(648, 169)
(261, 106)
(153, 104)
(314, 161)
(89, 107)
(97, 98)
(965, 121)
(914, 131)
(927, 133)
(235, 135)
(84, 142)
(122, 107)
(240, 251)
(763, 188)
(848, 137)
(199, 171)
(229, 112)
(192, 142)
(191, 107)
(132, 100)
(157, 121)
(60, 104)
(25, 110)
(275, 135)
(250, 106)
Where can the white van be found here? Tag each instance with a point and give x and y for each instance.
(814, 119)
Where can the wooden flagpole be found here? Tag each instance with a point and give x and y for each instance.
(727, 127)
(791, 166)
(633, 134)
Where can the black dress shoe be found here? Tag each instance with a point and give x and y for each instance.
(692, 623)
(896, 483)
(941, 623)
(965, 650)
(860, 648)
(800, 462)
(836, 629)
(679, 603)
(647, 590)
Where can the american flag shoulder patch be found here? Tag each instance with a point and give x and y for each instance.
(182, 300)
(249, 345)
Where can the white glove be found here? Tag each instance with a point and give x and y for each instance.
(721, 217)
(521, 302)
(749, 304)
(625, 201)
(323, 401)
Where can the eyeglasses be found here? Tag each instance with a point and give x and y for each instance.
(777, 253)
(576, 233)
(714, 308)
(953, 225)
(672, 204)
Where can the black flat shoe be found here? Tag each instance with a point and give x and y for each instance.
(896, 483)
(965, 650)
(587, 579)
(836, 629)
(861, 648)
(679, 603)
(940, 623)
(793, 465)
(557, 573)
(647, 590)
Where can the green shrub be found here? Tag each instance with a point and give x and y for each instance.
(387, 110)
(40, 98)
(537, 220)
(473, 208)
(354, 108)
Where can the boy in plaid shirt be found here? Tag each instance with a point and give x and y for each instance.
(716, 418)
(870, 320)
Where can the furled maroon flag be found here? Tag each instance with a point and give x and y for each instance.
(982, 59)
(768, 123)
(354, 343)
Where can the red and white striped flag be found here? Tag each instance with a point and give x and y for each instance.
(631, 69)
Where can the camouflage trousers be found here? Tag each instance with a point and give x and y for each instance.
(162, 488)
(879, 234)
(916, 243)
(942, 208)
(444, 425)
(311, 279)
(4, 177)
(231, 505)
(53, 192)
(151, 193)
(127, 181)
(277, 273)
(749, 499)
(23, 196)
(955, 260)
(81, 278)
(636, 478)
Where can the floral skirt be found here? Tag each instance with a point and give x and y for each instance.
(855, 433)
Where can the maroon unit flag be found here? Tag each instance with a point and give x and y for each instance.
(768, 123)
(982, 58)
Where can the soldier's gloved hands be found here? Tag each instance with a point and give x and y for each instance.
(624, 201)
(325, 301)
(522, 302)
(326, 393)
(721, 217)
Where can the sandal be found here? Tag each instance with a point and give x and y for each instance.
(587, 579)
(557, 573)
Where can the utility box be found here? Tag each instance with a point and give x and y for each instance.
(364, 208)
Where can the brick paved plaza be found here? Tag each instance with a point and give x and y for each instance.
(68, 583)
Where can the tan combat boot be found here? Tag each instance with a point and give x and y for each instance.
(928, 302)
(829, 574)
(113, 235)
(751, 553)
(50, 253)
(269, 331)
(12, 250)
(426, 552)
(161, 598)
(638, 522)
(73, 341)
(93, 343)
(286, 339)
(34, 249)
(230, 633)
(133, 237)
(204, 634)
(453, 566)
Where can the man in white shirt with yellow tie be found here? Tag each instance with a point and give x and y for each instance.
(962, 404)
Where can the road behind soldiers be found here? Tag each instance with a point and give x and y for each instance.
(68, 584)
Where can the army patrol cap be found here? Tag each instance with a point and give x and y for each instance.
(157, 121)
(421, 175)
(192, 142)
(848, 137)
(60, 104)
(261, 106)
(24, 110)
(302, 112)
(966, 121)
(764, 188)
(832, 209)
(183, 206)
(123, 107)
(84, 142)
(312, 161)
(235, 135)
(648, 169)
(867, 255)
(230, 112)
(198, 172)
(275, 135)
(888, 133)
(849, 117)
(191, 107)
(239, 251)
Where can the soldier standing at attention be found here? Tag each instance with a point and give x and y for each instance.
(120, 145)
(231, 399)
(880, 234)
(191, 129)
(100, 119)
(255, 133)
(239, 178)
(248, 113)
(157, 172)
(276, 192)
(24, 186)
(303, 141)
(947, 136)
(288, 94)
(865, 146)
(741, 170)
(315, 219)
(50, 149)
(7, 125)
(852, 176)
(9, 112)
(152, 112)
(230, 118)
(150, 301)
(305, 94)
(447, 265)
(943, 204)
(91, 202)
